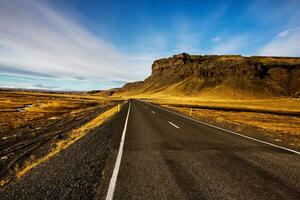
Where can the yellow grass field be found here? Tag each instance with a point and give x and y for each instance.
(36, 126)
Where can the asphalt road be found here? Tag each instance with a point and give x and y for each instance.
(163, 156)
(166, 156)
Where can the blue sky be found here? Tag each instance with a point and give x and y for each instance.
(94, 44)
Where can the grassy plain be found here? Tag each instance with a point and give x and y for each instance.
(287, 106)
(34, 125)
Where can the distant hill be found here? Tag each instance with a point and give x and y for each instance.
(104, 93)
(219, 75)
(3, 89)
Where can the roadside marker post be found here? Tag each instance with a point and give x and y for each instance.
(191, 111)
(118, 107)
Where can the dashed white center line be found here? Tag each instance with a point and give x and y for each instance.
(153, 112)
(174, 125)
(241, 135)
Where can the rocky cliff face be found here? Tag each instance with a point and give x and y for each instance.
(191, 74)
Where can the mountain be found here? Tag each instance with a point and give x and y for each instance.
(219, 76)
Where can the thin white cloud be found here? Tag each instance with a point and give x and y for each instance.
(286, 33)
(184, 34)
(37, 38)
(216, 39)
(231, 46)
(287, 44)
(42, 86)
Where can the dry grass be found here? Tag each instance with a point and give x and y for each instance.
(43, 106)
(52, 106)
(74, 136)
(280, 104)
(231, 58)
(285, 60)
(4, 182)
(53, 120)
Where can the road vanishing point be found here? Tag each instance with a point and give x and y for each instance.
(156, 153)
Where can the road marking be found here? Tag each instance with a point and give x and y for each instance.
(113, 180)
(173, 124)
(153, 112)
(200, 122)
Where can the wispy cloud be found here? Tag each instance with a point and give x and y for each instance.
(233, 45)
(287, 32)
(41, 40)
(42, 86)
(216, 39)
(37, 39)
(284, 33)
(286, 44)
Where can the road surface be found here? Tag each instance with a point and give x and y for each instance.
(146, 152)
(166, 156)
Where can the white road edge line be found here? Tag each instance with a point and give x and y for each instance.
(113, 180)
(173, 124)
(153, 112)
(257, 140)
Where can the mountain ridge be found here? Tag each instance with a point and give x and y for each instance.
(219, 75)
